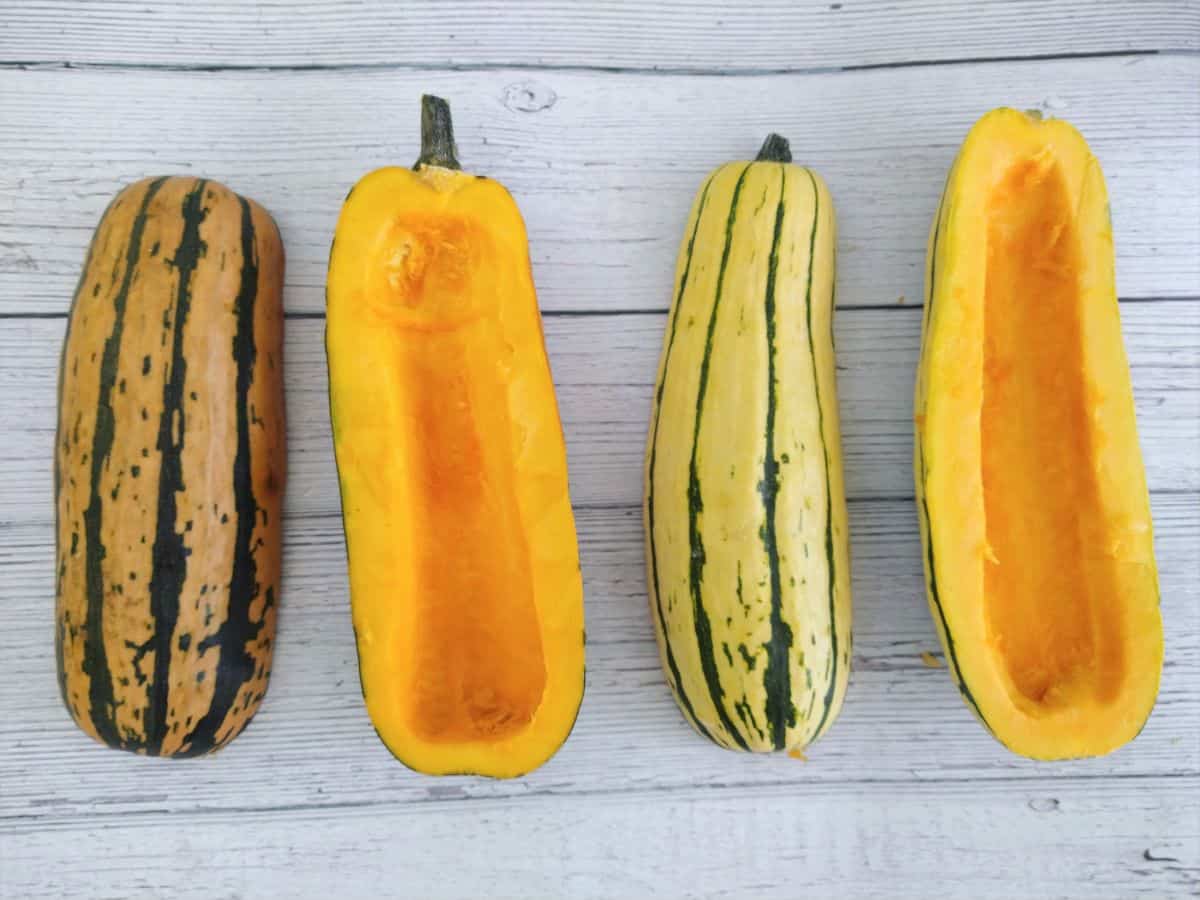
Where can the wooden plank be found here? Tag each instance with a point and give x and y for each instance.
(1122, 839)
(677, 34)
(604, 368)
(312, 743)
(603, 165)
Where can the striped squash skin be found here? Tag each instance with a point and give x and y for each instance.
(169, 470)
(920, 466)
(745, 513)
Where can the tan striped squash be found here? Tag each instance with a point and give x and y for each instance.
(169, 469)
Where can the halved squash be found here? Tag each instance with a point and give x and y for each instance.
(1032, 496)
(464, 569)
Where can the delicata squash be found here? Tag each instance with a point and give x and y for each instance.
(169, 469)
(1035, 517)
(747, 546)
(464, 569)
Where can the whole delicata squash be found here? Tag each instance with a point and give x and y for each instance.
(169, 469)
(747, 544)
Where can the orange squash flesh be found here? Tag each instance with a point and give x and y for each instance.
(464, 568)
(1037, 459)
(478, 672)
(1034, 510)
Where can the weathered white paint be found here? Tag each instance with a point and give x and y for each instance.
(604, 368)
(907, 796)
(312, 742)
(665, 35)
(999, 839)
(604, 172)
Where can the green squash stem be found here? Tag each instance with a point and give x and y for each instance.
(774, 149)
(437, 135)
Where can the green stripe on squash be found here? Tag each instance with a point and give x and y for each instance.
(740, 402)
(167, 527)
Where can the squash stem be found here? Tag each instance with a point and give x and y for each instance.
(775, 149)
(437, 135)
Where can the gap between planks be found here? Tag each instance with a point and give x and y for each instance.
(597, 69)
(318, 315)
(455, 795)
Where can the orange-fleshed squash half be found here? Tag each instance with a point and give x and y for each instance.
(1032, 496)
(464, 568)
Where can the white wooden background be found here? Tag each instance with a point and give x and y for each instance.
(602, 117)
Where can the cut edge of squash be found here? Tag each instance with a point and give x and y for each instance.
(1067, 687)
(385, 298)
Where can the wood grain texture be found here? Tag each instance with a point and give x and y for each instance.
(664, 36)
(1018, 838)
(603, 165)
(602, 118)
(311, 743)
(604, 370)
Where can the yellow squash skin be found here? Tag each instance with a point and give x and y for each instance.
(745, 513)
(464, 569)
(1032, 497)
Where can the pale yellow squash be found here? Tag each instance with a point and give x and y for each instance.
(746, 533)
